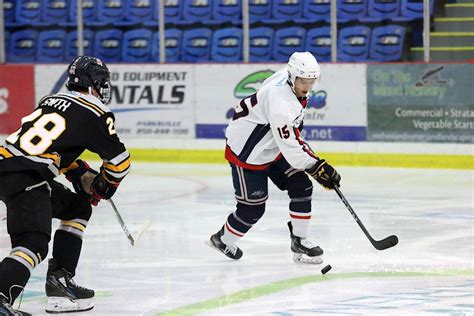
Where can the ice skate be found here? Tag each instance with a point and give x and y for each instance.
(231, 251)
(7, 310)
(63, 294)
(303, 250)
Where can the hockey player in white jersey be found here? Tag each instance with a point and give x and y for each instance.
(264, 142)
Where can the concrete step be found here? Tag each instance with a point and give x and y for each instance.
(452, 39)
(444, 54)
(453, 24)
(459, 10)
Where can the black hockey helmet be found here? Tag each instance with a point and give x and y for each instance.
(89, 72)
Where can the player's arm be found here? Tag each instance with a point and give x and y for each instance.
(285, 129)
(116, 159)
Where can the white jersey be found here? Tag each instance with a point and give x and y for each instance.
(265, 126)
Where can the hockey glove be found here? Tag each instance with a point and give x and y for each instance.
(81, 179)
(325, 174)
(102, 188)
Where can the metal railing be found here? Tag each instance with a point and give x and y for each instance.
(245, 30)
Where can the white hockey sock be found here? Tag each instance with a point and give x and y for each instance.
(300, 227)
(231, 236)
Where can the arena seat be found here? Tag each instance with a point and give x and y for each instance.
(318, 42)
(136, 45)
(196, 45)
(260, 44)
(386, 43)
(107, 45)
(70, 48)
(227, 45)
(50, 46)
(353, 43)
(288, 40)
(22, 46)
(172, 45)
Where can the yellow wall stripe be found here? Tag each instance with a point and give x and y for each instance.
(338, 159)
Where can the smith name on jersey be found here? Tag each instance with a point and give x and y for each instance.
(265, 126)
(62, 126)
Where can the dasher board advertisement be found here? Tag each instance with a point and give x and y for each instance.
(17, 96)
(336, 110)
(421, 103)
(147, 99)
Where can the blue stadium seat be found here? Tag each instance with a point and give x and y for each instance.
(107, 45)
(287, 41)
(88, 12)
(136, 46)
(380, 10)
(110, 12)
(22, 46)
(318, 42)
(260, 44)
(28, 12)
(173, 11)
(259, 10)
(386, 43)
(50, 46)
(70, 49)
(227, 45)
(55, 11)
(353, 43)
(284, 10)
(227, 11)
(172, 45)
(412, 10)
(196, 11)
(9, 12)
(196, 45)
(138, 11)
(315, 11)
(351, 10)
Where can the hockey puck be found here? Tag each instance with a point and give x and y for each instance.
(326, 269)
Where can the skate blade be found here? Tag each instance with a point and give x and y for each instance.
(302, 258)
(57, 305)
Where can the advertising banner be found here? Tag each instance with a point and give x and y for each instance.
(17, 95)
(421, 103)
(336, 111)
(147, 100)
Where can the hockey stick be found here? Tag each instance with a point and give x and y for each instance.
(122, 223)
(383, 244)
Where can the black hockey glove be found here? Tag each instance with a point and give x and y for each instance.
(102, 188)
(81, 178)
(325, 174)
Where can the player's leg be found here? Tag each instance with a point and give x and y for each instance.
(29, 226)
(300, 189)
(74, 211)
(251, 193)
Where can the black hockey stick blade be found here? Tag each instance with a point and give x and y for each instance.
(388, 242)
(383, 244)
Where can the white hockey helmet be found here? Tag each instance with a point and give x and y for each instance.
(303, 65)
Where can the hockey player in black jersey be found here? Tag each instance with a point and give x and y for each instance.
(47, 144)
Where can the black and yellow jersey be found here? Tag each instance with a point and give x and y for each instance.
(61, 127)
